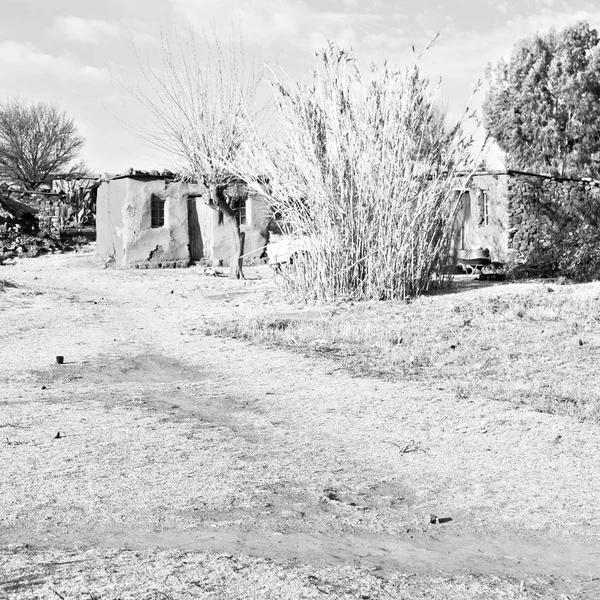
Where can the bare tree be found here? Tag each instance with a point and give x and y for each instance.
(37, 140)
(198, 106)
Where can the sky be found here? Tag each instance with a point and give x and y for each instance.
(80, 53)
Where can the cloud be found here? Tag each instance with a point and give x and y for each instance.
(26, 58)
(285, 24)
(85, 31)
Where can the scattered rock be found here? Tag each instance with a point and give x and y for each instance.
(332, 495)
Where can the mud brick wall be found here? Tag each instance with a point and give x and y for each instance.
(543, 210)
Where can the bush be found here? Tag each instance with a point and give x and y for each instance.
(574, 255)
(365, 169)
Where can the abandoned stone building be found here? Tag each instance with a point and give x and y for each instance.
(147, 220)
(514, 214)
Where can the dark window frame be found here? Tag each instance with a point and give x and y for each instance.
(157, 212)
(241, 214)
(485, 209)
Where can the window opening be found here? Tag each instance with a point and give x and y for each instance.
(485, 209)
(240, 211)
(158, 212)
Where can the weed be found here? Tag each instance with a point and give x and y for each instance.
(531, 348)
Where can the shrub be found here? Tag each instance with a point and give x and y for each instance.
(366, 170)
(574, 255)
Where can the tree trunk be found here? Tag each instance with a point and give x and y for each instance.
(217, 201)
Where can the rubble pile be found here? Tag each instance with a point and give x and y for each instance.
(14, 243)
(28, 229)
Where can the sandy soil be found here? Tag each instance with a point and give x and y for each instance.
(155, 437)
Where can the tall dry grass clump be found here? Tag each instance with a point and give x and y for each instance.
(366, 169)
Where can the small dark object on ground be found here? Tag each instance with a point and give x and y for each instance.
(332, 495)
(435, 520)
(492, 276)
(60, 360)
(58, 436)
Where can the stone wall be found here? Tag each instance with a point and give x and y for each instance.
(51, 210)
(543, 211)
(49, 215)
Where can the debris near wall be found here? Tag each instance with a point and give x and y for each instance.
(554, 225)
(19, 230)
(34, 223)
(13, 213)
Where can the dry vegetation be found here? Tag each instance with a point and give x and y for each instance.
(365, 168)
(539, 347)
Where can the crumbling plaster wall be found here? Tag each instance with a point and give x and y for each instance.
(471, 230)
(109, 219)
(216, 235)
(124, 223)
(144, 245)
(125, 232)
(494, 235)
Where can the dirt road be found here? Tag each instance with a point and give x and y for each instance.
(154, 439)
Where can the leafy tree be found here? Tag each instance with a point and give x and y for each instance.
(543, 106)
(37, 140)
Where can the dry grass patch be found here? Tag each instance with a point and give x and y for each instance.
(537, 347)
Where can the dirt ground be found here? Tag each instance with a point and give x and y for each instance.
(158, 461)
